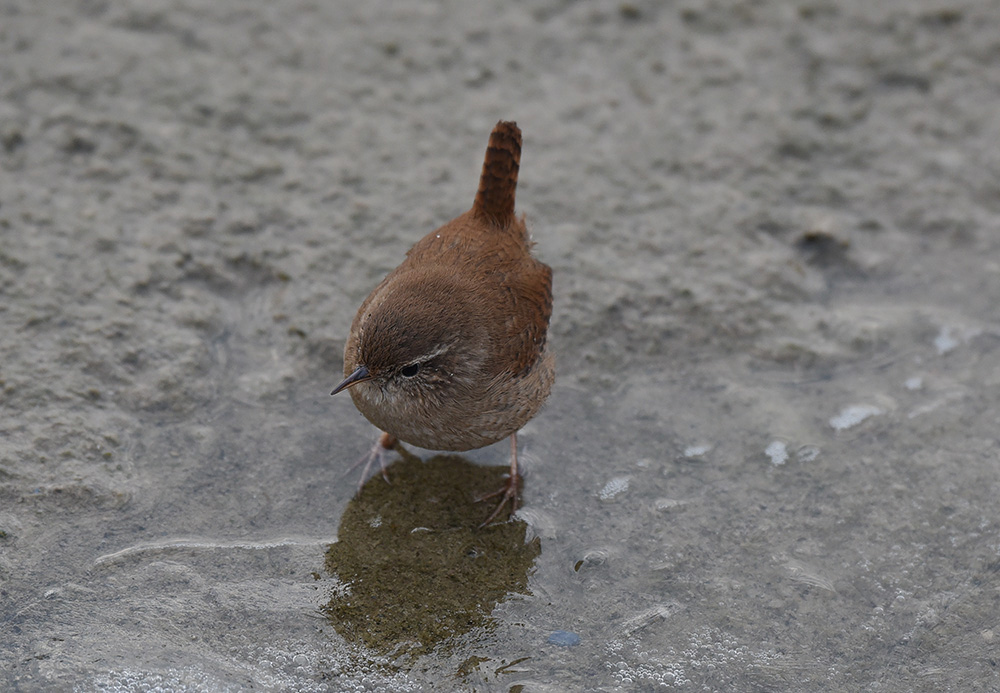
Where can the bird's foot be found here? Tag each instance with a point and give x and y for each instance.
(379, 452)
(508, 493)
(509, 490)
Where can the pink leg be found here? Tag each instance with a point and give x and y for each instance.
(379, 451)
(509, 490)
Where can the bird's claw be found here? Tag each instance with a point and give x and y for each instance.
(379, 451)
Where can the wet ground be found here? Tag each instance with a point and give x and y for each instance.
(770, 461)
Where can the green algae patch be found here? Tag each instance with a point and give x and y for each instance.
(416, 566)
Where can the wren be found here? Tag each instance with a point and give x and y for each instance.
(449, 352)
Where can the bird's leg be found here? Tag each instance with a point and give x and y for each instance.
(380, 449)
(509, 490)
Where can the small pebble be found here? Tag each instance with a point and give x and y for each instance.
(564, 638)
(807, 453)
(614, 487)
(945, 341)
(666, 504)
(778, 452)
(853, 415)
(696, 450)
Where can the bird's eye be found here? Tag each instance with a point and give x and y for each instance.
(410, 371)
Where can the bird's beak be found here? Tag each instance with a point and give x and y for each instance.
(360, 373)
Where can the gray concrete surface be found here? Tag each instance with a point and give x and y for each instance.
(770, 461)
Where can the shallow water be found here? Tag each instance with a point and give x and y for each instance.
(770, 458)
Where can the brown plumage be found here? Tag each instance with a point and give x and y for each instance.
(449, 352)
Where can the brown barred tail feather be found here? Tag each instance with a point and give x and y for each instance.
(498, 182)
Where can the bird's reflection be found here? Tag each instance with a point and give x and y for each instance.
(416, 565)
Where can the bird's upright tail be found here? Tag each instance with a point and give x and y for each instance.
(498, 182)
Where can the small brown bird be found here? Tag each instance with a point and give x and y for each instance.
(449, 351)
